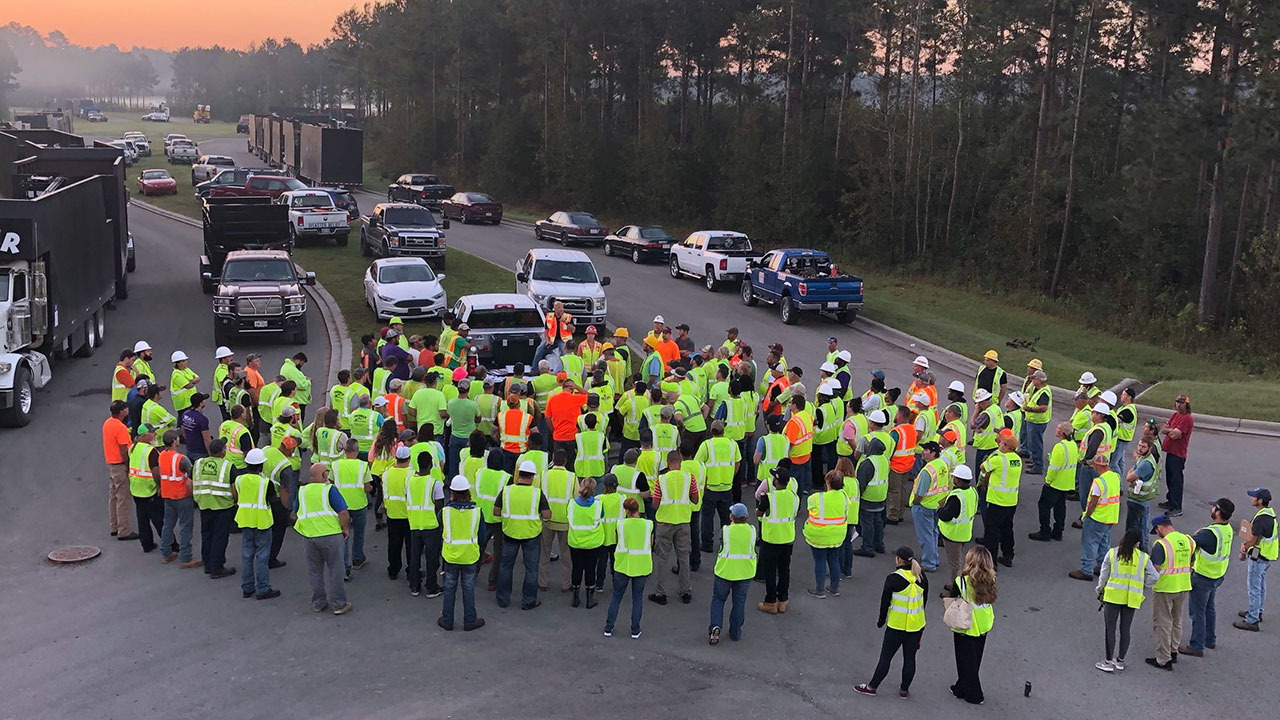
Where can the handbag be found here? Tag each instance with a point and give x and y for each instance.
(957, 613)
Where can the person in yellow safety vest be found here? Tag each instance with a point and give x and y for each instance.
(324, 524)
(828, 417)
(955, 518)
(1001, 479)
(1012, 415)
(339, 395)
(1058, 482)
(735, 568)
(824, 532)
(255, 494)
(1212, 559)
(674, 496)
(238, 437)
(424, 497)
(592, 447)
(153, 413)
(853, 428)
(956, 397)
(490, 405)
(211, 488)
(1038, 407)
(1126, 419)
(1125, 575)
(1260, 548)
(902, 463)
(144, 486)
(590, 350)
(632, 565)
(932, 483)
(586, 538)
(460, 523)
(776, 511)
(558, 486)
(990, 377)
(1171, 556)
(328, 442)
(1101, 513)
(976, 585)
(631, 406)
(352, 477)
(986, 423)
(1088, 386)
(1097, 440)
(611, 515)
(394, 481)
(182, 382)
(122, 376)
(142, 361)
(489, 483)
(224, 359)
(523, 508)
(872, 473)
(902, 603)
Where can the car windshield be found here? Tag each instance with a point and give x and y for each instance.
(728, 242)
(420, 217)
(405, 272)
(574, 271)
(155, 175)
(654, 233)
(294, 184)
(312, 201)
(341, 199)
(265, 270)
(478, 198)
(504, 319)
(583, 219)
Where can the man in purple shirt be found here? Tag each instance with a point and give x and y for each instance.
(404, 361)
(195, 427)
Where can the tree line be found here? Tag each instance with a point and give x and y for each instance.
(47, 71)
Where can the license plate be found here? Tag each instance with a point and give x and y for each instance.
(504, 342)
(832, 306)
(259, 323)
(489, 214)
(325, 231)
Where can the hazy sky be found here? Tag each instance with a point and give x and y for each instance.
(169, 24)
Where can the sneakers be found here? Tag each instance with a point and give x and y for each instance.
(272, 593)
(1156, 664)
(1166, 505)
(434, 594)
(1038, 537)
(1173, 512)
(1118, 664)
(903, 694)
(1105, 666)
(686, 598)
(864, 689)
(415, 592)
(608, 632)
(342, 610)
(817, 594)
(635, 636)
(660, 599)
(479, 623)
(713, 637)
(1245, 625)
(359, 563)
(833, 592)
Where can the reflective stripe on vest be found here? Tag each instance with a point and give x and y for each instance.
(775, 448)
(1124, 580)
(515, 430)
(960, 529)
(1107, 511)
(779, 525)
(1175, 571)
(460, 548)
(254, 512)
(634, 554)
(737, 557)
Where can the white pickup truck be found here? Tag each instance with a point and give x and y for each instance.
(182, 151)
(716, 256)
(312, 214)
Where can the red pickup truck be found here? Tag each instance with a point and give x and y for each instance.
(271, 186)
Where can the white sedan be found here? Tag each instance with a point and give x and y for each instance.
(405, 287)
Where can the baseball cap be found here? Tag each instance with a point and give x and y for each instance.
(609, 480)
(255, 457)
(621, 332)
(780, 368)
(528, 468)
(956, 385)
(680, 372)
(1005, 432)
(827, 367)
(683, 326)
(406, 435)
(921, 360)
(463, 326)
(562, 376)
(776, 347)
(197, 398)
(252, 356)
(1261, 493)
(286, 411)
(845, 355)
(403, 453)
(393, 333)
(1087, 378)
(877, 374)
(459, 484)
(950, 436)
(738, 510)
(379, 401)
(920, 399)
(981, 395)
(1159, 520)
(142, 382)
(991, 355)
(144, 428)
(931, 445)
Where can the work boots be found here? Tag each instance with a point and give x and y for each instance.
(782, 606)
(591, 598)
(764, 607)
(577, 600)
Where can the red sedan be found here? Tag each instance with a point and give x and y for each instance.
(472, 207)
(157, 182)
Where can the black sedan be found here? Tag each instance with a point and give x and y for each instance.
(568, 228)
(472, 207)
(641, 242)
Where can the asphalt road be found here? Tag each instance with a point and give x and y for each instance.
(187, 646)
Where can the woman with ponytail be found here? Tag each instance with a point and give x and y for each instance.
(1125, 575)
(902, 610)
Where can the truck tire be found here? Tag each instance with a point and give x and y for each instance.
(709, 279)
(100, 324)
(846, 316)
(24, 396)
(675, 267)
(300, 337)
(787, 310)
(342, 240)
(748, 295)
(131, 264)
(88, 340)
(122, 286)
(365, 250)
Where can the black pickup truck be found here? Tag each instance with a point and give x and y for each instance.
(400, 229)
(419, 188)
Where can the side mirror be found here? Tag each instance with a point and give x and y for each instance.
(444, 223)
(752, 264)
(441, 276)
(522, 277)
(310, 278)
(206, 276)
(605, 281)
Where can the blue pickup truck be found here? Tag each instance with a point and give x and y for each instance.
(798, 280)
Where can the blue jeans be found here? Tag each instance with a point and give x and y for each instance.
(452, 459)
(1084, 479)
(926, 522)
(353, 545)
(872, 529)
(719, 594)
(826, 560)
(453, 575)
(179, 514)
(532, 551)
(255, 550)
(801, 474)
(1200, 606)
(620, 582)
(1138, 517)
(1117, 457)
(1257, 589)
(1095, 540)
(1035, 443)
(545, 349)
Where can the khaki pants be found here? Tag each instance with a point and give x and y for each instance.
(672, 540)
(119, 501)
(549, 534)
(955, 558)
(900, 485)
(1167, 610)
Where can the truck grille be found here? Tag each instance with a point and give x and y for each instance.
(259, 306)
(413, 304)
(418, 242)
(579, 306)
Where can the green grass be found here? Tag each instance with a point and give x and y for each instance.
(971, 323)
(118, 125)
(184, 203)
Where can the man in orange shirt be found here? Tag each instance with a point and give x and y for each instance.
(667, 348)
(563, 410)
(115, 449)
(253, 363)
(799, 432)
(123, 379)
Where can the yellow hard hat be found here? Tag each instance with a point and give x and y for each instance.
(1035, 363)
(621, 332)
(606, 346)
(992, 355)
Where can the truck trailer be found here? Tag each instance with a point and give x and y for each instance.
(331, 157)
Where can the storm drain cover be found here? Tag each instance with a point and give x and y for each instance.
(74, 553)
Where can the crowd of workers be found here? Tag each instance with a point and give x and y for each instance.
(644, 458)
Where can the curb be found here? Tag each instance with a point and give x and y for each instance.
(963, 365)
(340, 349)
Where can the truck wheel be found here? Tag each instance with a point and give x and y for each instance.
(845, 316)
(790, 316)
(24, 395)
(131, 264)
(342, 240)
(88, 340)
(748, 297)
(122, 287)
(100, 324)
(365, 250)
(675, 267)
(293, 238)
(300, 337)
(710, 280)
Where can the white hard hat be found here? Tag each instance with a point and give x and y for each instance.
(956, 385)
(922, 361)
(222, 352)
(658, 319)
(1103, 408)
(379, 401)
(962, 471)
(140, 346)
(255, 457)
(177, 356)
(921, 398)
(827, 367)
(1108, 397)
(1017, 398)
(459, 484)
(845, 355)
(879, 417)
(528, 468)
(1087, 378)
(827, 388)
(981, 395)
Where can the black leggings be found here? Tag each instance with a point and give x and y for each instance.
(894, 639)
(1124, 614)
(584, 566)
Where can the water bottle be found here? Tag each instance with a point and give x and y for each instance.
(1026, 689)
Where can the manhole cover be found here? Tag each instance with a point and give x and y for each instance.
(74, 553)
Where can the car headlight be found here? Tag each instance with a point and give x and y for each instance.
(393, 240)
(6, 368)
(222, 304)
(295, 304)
(602, 305)
(384, 298)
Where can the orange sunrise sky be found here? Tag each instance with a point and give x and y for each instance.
(150, 23)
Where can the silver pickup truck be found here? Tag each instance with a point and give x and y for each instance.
(182, 151)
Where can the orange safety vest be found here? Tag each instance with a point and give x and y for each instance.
(395, 409)
(904, 456)
(781, 382)
(173, 484)
(514, 426)
(565, 333)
